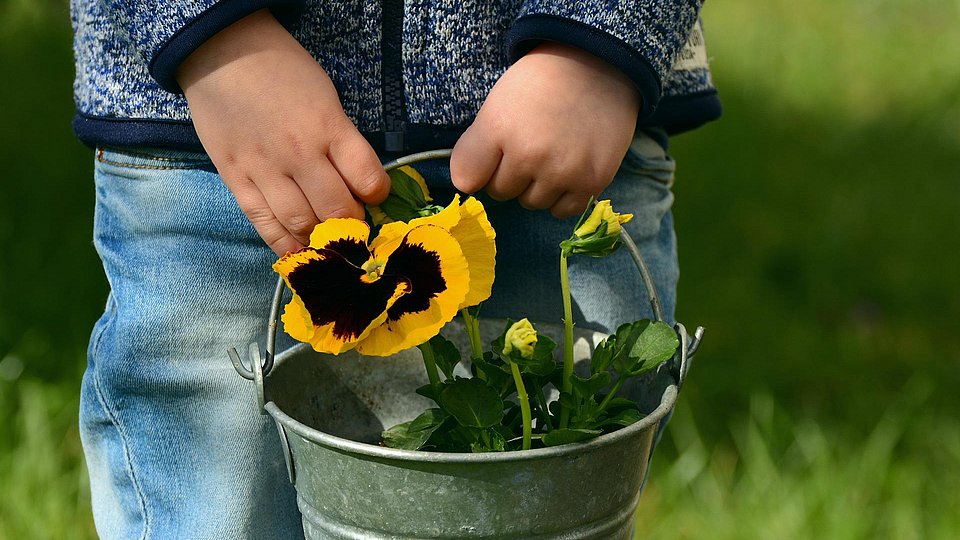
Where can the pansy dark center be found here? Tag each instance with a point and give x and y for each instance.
(421, 268)
(334, 290)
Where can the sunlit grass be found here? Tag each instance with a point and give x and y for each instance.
(804, 478)
(853, 60)
(44, 492)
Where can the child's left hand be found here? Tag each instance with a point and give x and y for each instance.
(552, 132)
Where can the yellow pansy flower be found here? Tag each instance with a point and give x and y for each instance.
(394, 294)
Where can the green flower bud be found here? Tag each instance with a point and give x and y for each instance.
(521, 337)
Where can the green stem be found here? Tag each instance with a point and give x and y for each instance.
(567, 339)
(429, 362)
(472, 326)
(473, 332)
(613, 392)
(524, 405)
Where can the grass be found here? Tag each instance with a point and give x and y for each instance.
(46, 493)
(800, 478)
(817, 226)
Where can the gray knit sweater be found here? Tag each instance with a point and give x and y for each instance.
(412, 74)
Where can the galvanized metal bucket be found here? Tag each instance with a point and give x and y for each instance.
(331, 410)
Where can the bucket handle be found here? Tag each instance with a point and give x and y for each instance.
(263, 367)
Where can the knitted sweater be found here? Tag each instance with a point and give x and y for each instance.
(411, 74)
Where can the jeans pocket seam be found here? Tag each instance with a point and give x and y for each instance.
(179, 166)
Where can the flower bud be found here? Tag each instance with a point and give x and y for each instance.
(522, 337)
(602, 213)
(598, 233)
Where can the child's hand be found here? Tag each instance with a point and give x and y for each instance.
(552, 132)
(271, 121)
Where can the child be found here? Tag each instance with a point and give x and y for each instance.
(218, 122)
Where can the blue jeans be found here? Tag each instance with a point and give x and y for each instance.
(175, 445)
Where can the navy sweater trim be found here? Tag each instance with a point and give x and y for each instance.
(684, 113)
(121, 132)
(675, 115)
(163, 66)
(528, 31)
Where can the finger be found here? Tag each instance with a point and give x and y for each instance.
(359, 166)
(539, 195)
(255, 207)
(570, 204)
(475, 159)
(289, 204)
(326, 191)
(509, 180)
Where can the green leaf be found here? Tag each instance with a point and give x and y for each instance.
(429, 391)
(544, 347)
(641, 345)
(623, 341)
(399, 436)
(414, 435)
(623, 418)
(490, 440)
(542, 366)
(406, 188)
(657, 343)
(497, 373)
(428, 419)
(398, 209)
(445, 354)
(603, 355)
(619, 403)
(542, 363)
(585, 414)
(586, 388)
(472, 402)
(569, 435)
(567, 400)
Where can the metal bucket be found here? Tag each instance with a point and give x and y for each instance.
(331, 410)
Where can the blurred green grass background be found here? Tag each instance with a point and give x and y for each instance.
(818, 225)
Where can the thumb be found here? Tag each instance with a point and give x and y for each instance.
(475, 159)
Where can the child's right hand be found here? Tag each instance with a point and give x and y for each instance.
(272, 123)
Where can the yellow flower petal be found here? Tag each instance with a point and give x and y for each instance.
(594, 219)
(296, 320)
(433, 261)
(477, 240)
(468, 223)
(334, 229)
(446, 218)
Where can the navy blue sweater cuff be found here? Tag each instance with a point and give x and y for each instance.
(163, 66)
(530, 30)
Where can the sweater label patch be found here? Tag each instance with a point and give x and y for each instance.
(694, 53)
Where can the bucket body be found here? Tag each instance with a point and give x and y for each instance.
(331, 411)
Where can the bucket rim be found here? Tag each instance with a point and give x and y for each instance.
(667, 401)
